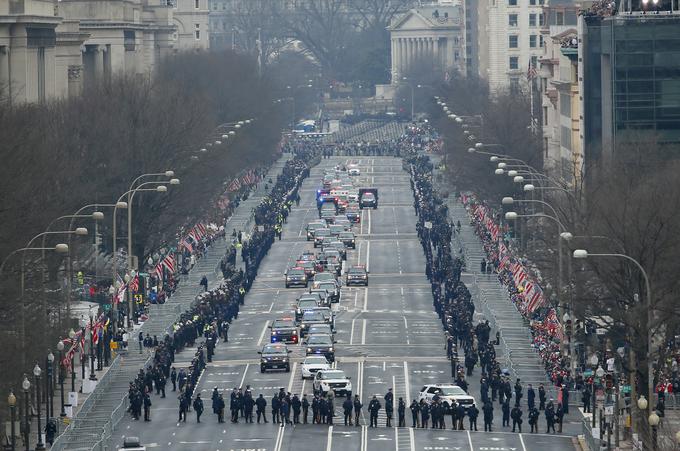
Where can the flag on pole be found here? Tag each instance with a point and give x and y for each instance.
(186, 243)
(536, 299)
(169, 263)
(531, 71)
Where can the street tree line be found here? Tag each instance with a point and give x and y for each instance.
(628, 204)
(347, 39)
(65, 154)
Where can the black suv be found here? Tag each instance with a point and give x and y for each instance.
(296, 277)
(321, 344)
(284, 330)
(357, 275)
(274, 356)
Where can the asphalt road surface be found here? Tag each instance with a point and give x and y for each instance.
(388, 336)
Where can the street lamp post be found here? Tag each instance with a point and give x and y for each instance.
(49, 400)
(83, 355)
(582, 254)
(93, 377)
(11, 402)
(72, 335)
(26, 385)
(60, 348)
(37, 372)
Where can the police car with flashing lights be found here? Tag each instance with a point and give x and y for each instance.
(283, 330)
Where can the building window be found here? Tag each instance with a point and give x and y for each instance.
(540, 20)
(197, 31)
(532, 41)
(534, 62)
(559, 18)
(545, 115)
(565, 105)
(456, 55)
(512, 20)
(512, 41)
(196, 4)
(532, 2)
(532, 20)
(512, 2)
(514, 62)
(540, 41)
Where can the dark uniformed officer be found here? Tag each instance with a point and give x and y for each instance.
(305, 408)
(198, 407)
(506, 413)
(261, 404)
(401, 410)
(424, 414)
(315, 410)
(473, 412)
(533, 419)
(347, 407)
(248, 404)
(330, 410)
(220, 408)
(541, 397)
(357, 409)
(389, 407)
(414, 412)
(183, 407)
(516, 416)
(295, 404)
(488, 415)
(147, 407)
(276, 406)
(173, 378)
(461, 416)
(373, 408)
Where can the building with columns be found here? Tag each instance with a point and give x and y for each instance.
(49, 48)
(39, 52)
(428, 39)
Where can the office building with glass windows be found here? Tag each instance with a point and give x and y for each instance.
(629, 77)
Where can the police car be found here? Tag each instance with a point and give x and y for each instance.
(448, 393)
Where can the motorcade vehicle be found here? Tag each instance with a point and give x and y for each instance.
(283, 330)
(357, 275)
(446, 392)
(332, 380)
(320, 344)
(296, 277)
(274, 356)
(313, 363)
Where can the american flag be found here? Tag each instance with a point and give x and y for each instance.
(186, 243)
(531, 71)
(159, 270)
(134, 284)
(536, 299)
(169, 263)
(503, 256)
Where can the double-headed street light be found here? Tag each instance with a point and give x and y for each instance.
(583, 254)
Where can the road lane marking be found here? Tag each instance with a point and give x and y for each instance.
(521, 440)
(264, 329)
(369, 222)
(292, 376)
(368, 256)
(356, 298)
(412, 439)
(407, 388)
(396, 436)
(279, 438)
(329, 442)
(363, 333)
(351, 335)
(469, 440)
(365, 300)
(245, 372)
(361, 222)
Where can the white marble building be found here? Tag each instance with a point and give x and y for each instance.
(432, 36)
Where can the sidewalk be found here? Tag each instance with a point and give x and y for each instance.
(102, 410)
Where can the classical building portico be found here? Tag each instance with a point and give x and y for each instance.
(428, 38)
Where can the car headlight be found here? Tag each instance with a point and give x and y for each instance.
(330, 349)
(273, 332)
(295, 332)
(302, 326)
(284, 360)
(309, 349)
(348, 385)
